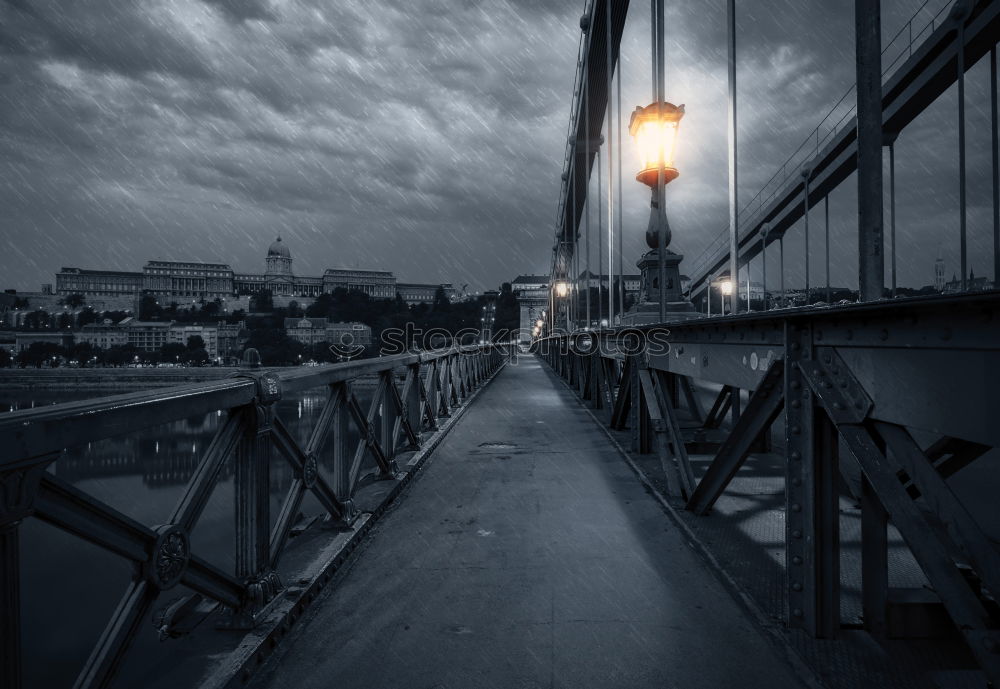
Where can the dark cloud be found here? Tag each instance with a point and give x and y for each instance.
(424, 137)
(243, 10)
(126, 38)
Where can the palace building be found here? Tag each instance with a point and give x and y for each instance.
(192, 281)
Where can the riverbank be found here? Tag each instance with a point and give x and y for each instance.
(124, 379)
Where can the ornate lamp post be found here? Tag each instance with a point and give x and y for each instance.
(654, 128)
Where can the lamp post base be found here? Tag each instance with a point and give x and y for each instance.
(648, 308)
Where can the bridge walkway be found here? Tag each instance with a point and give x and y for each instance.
(527, 554)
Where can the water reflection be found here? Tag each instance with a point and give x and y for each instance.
(143, 475)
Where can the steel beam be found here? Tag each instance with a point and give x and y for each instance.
(764, 406)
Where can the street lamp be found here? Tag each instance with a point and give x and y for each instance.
(726, 290)
(654, 129)
(562, 289)
(725, 286)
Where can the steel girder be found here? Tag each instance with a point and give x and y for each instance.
(863, 376)
(252, 435)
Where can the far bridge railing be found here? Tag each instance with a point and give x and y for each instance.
(412, 392)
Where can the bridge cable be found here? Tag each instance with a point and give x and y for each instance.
(600, 234)
(586, 168)
(733, 212)
(621, 199)
(609, 76)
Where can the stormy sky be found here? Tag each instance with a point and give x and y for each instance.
(424, 137)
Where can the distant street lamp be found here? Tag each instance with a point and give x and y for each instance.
(561, 290)
(725, 287)
(725, 290)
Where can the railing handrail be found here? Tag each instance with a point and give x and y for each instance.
(413, 391)
(36, 433)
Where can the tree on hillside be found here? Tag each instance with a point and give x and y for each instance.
(37, 320)
(120, 355)
(38, 353)
(196, 352)
(86, 317)
(441, 302)
(173, 352)
(149, 309)
(74, 301)
(83, 352)
(210, 309)
(262, 302)
(275, 347)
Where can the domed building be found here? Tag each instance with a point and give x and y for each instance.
(279, 259)
(191, 283)
(278, 278)
(278, 270)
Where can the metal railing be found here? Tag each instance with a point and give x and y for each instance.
(412, 392)
(870, 378)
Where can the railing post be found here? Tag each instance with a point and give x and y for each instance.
(341, 452)
(387, 418)
(444, 410)
(638, 413)
(252, 461)
(17, 496)
(412, 401)
(10, 606)
(874, 561)
(431, 394)
(812, 527)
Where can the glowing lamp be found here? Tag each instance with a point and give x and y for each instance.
(539, 322)
(654, 129)
(562, 289)
(726, 287)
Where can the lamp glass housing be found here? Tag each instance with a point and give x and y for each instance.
(654, 129)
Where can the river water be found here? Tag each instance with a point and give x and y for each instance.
(70, 588)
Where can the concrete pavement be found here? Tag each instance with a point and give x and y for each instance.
(527, 554)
